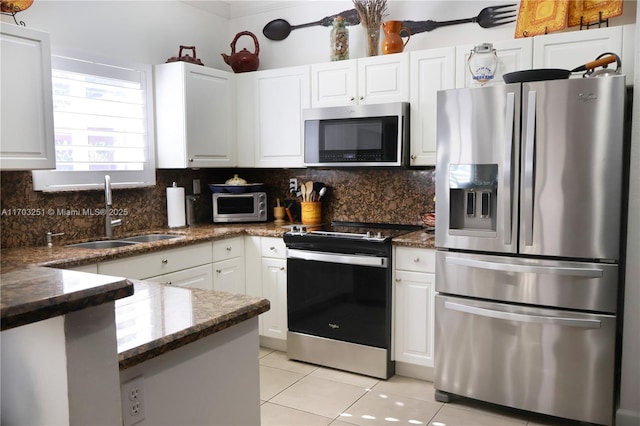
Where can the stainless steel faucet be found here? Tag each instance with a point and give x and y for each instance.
(109, 223)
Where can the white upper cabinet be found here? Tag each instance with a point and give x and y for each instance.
(572, 49)
(431, 70)
(280, 96)
(513, 55)
(27, 137)
(371, 80)
(195, 116)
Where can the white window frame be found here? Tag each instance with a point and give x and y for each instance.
(57, 180)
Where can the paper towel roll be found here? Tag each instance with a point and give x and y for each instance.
(175, 206)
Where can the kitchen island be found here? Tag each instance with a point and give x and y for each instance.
(64, 334)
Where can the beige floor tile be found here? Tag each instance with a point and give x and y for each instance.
(264, 352)
(454, 416)
(413, 388)
(324, 397)
(279, 359)
(382, 408)
(345, 377)
(340, 423)
(274, 380)
(506, 413)
(277, 415)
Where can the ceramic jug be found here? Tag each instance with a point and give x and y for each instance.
(244, 60)
(393, 42)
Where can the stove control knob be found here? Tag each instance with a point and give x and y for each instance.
(303, 229)
(368, 235)
(379, 236)
(294, 228)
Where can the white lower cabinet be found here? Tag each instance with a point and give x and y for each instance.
(188, 266)
(228, 265)
(414, 292)
(198, 277)
(269, 280)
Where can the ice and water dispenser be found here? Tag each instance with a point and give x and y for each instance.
(473, 195)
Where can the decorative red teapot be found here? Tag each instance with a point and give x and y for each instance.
(244, 60)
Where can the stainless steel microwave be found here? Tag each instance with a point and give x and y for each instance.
(357, 136)
(245, 207)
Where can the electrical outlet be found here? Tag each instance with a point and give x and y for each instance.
(293, 185)
(132, 393)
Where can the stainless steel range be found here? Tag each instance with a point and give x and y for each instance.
(339, 296)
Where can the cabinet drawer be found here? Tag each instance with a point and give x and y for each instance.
(413, 259)
(198, 277)
(273, 247)
(228, 248)
(158, 263)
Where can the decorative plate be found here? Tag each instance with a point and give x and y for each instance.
(590, 10)
(541, 16)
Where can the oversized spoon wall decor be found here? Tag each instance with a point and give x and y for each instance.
(279, 29)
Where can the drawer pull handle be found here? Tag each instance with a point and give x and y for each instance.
(272, 248)
(218, 271)
(165, 261)
(398, 280)
(282, 268)
(228, 248)
(416, 259)
(167, 283)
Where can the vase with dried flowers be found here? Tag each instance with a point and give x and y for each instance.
(371, 14)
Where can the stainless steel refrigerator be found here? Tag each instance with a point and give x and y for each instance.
(529, 200)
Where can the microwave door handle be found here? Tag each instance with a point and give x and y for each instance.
(511, 316)
(507, 167)
(529, 168)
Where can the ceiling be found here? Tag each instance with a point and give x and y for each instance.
(236, 8)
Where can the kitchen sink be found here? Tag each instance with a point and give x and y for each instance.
(103, 244)
(151, 238)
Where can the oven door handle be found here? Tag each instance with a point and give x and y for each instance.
(512, 316)
(347, 259)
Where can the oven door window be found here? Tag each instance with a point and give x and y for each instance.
(338, 301)
(235, 205)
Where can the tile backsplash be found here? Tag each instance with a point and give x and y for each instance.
(390, 195)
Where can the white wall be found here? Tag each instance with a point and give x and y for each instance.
(311, 45)
(147, 32)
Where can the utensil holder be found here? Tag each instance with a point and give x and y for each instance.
(311, 213)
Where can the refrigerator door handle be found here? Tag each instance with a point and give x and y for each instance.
(511, 316)
(533, 269)
(529, 145)
(506, 168)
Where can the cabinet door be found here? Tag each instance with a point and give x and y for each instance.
(383, 79)
(513, 55)
(273, 323)
(228, 275)
(195, 116)
(281, 96)
(210, 106)
(569, 50)
(431, 70)
(414, 316)
(245, 119)
(198, 277)
(334, 84)
(26, 100)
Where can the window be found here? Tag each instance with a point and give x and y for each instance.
(102, 122)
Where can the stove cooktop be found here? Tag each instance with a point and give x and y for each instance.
(364, 231)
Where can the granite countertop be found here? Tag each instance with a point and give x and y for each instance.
(34, 293)
(157, 318)
(160, 318)
(417, 239)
